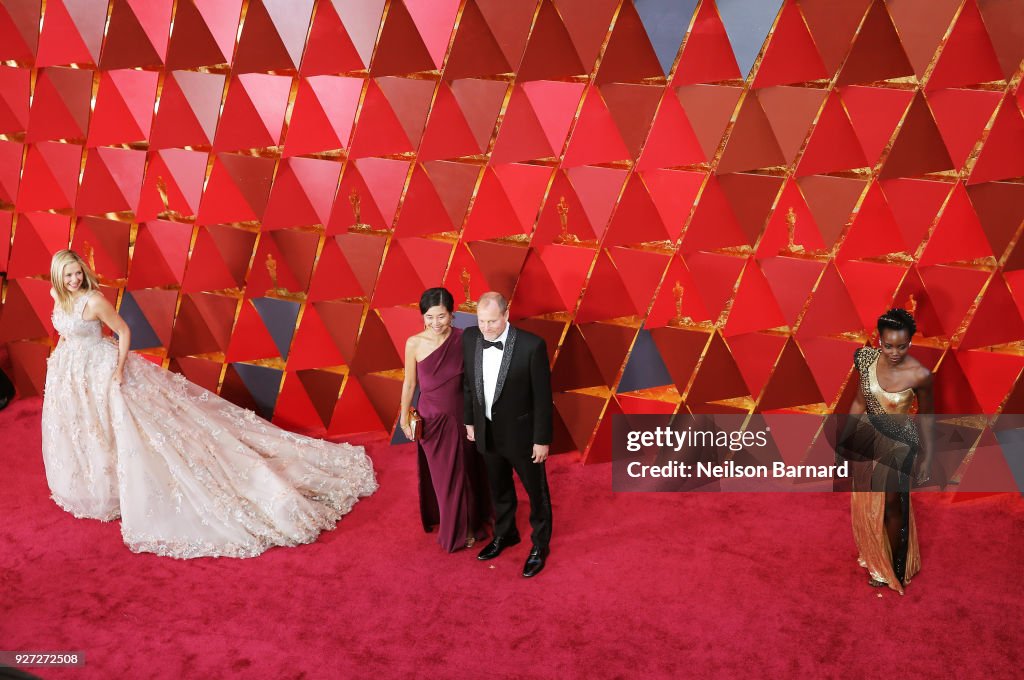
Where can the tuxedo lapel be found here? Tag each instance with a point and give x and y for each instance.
(478, 369)
(506, 359)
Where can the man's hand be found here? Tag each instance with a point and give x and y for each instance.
(470, 433)
(540, 453)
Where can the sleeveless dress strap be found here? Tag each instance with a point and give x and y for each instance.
(84, 299)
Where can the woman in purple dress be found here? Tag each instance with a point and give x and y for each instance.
(453, 488)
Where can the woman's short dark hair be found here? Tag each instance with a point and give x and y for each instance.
(897, 319)
(437, 297)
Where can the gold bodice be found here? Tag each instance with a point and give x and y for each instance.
(892, 402)
(886, 410)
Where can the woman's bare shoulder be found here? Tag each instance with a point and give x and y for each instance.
(414, 341)
(97, 304)
(922, 375)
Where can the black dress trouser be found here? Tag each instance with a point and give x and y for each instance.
(503, 492)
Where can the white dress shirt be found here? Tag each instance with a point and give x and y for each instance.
(492, 364)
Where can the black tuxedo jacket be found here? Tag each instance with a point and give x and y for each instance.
(521, 411)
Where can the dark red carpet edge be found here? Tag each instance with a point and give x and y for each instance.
(638, 585)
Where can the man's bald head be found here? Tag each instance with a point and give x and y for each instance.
(492, 315)
(493, 298)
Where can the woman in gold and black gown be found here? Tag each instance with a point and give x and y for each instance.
(888, 452)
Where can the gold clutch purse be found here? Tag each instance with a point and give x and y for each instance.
(415, 423)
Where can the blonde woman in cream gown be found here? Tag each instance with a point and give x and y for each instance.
(888, 453)
(189, 474)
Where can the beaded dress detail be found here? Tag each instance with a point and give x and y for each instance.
(188, 473)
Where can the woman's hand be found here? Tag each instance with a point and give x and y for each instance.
(408, 386)
(924, 470)
(118, 376)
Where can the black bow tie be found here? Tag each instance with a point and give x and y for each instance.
(497, 344)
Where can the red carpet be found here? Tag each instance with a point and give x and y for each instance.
(669, 585)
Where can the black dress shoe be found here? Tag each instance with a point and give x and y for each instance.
(494, 548)
(535, 562)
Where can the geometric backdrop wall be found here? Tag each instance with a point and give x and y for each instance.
(701, 206)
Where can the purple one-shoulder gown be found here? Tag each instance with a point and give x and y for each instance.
(453, 482)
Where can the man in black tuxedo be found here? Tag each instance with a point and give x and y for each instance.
(507, 385)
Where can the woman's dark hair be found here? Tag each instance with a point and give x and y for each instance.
(897, 319)
(437, 297)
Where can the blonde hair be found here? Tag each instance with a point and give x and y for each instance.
(61, 259)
